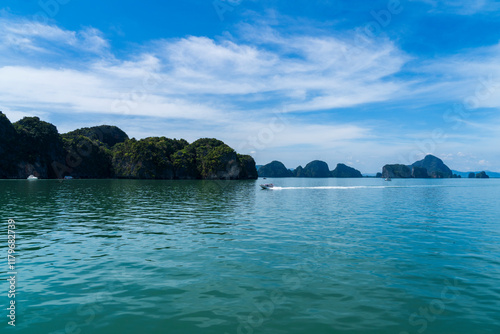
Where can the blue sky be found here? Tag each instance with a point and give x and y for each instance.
(358, 82)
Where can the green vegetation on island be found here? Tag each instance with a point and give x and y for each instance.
(31, 146)
(106, 134)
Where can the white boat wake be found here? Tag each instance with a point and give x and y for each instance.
(359, 187)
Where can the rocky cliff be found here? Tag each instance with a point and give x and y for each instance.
(248, 168)
(86, 159)
(419, 172)
(39, 147)
(8, 154)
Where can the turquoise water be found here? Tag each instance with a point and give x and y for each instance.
(312, 256)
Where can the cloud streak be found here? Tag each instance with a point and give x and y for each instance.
(36, 37)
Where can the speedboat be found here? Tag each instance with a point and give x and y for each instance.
(267, 186)
(388, 179)
(68, 177)
(32, 177)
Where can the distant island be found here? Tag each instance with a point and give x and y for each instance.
(429, 167)
(34, 147)
(477, 175)
(316, 168)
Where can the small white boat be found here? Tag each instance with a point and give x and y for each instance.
(388, 179)
(267, 186)
(68, 177)
(32, 177)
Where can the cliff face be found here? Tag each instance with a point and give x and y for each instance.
(248, 168)
(31, 146)
(345, 171)
(435, 167)
(315, 168)
(86, 159)
(38, 147)
(8, 156)
(419, 173)
(396, 171)
(274, 169)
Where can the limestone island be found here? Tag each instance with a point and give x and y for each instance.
(31, 147)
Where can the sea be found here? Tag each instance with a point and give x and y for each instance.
(226, 257)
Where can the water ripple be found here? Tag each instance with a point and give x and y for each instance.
(317, 255)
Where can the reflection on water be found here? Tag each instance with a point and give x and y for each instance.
(312, 255)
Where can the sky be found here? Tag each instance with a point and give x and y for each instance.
(363, 82)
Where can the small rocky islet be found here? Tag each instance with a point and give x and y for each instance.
(316, 168)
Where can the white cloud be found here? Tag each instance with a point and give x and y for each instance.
(196, 77)
(24, 35)
(76, 91)
(470, 78)
(312, 73)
